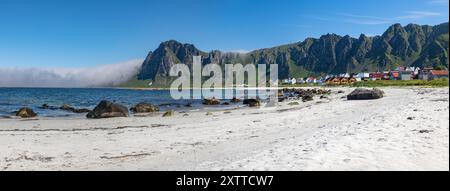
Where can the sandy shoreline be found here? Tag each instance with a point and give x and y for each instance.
(324, 134)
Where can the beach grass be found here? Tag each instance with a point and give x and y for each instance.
(298, 85)
(443, 82)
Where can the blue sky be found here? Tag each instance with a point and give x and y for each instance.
(84, 33)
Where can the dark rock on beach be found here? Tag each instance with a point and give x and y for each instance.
(235, 100)
(252, 102)
(307, 97)
(303, 94)
(26, 112)
(281, 98)
(169, 113)
(365, 94)
(107, 109)
(144, 108)
(212, 101)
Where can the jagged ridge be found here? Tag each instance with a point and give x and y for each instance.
(412, 45)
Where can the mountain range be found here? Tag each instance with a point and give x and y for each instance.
(410, 45)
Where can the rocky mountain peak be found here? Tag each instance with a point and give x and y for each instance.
(412, 45)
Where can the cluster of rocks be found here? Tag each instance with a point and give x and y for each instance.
(303, 94)
(65, 107)
(74, 110)
(107, 109)
(26, 112)
(211, 101)
(249, 102)
(144, 108)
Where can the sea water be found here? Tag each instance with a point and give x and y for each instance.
(12, 99)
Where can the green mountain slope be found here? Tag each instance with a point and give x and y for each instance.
(411, 45)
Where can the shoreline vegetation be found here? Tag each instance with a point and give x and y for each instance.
(443, 82)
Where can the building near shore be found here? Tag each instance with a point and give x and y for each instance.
(362, 76)
(376, 76)
(300, 81)
(437, 74)
(311, 80)
(423, 74)
(293, 81)
(393, 75)
(405, 75)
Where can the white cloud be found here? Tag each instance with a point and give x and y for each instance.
(98, 76)
(417, 15)
(240, 51)
(372, 20)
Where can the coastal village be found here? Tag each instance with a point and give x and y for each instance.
(400, 73)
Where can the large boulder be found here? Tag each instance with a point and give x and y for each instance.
(365, 94)
(26, 112)
(252, 102)
(107, 109)
(144, 108)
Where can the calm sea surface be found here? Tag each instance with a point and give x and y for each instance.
(11, 99)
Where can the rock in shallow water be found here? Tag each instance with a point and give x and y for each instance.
(107, 109)
(69, 108)
(365, 94)
(26, 112)
(212, 101)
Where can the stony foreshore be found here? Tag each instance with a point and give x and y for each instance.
(405, 130)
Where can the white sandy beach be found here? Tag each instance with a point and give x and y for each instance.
(324, 134)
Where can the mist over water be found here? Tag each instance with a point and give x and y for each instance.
(97, 76)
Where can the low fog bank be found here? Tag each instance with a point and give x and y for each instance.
(98, 76)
